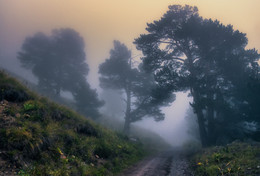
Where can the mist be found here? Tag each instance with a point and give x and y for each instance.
(175, 128)
(101, 23)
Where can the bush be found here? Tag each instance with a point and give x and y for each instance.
(9, 93)
(86, 129)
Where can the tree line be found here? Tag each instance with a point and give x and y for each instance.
(182, 51)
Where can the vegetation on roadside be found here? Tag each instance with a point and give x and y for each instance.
(236, 158)
(39, 137)
(152, 142)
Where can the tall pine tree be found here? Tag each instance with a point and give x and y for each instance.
(139, 88)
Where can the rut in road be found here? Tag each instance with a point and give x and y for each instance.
(170, 163)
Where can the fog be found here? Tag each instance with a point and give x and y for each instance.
(101, 22)
(175, 127)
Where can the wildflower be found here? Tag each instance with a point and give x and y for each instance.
(199, 164)
(229, 169)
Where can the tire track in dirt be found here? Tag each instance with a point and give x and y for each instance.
(169, 163)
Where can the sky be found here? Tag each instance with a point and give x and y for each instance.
(100, 22)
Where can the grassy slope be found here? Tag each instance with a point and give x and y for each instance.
(233, 159)
(151, 141)
(38, 137)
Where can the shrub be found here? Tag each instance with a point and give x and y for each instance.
(32, 105)
(86, 129)
(10, 93)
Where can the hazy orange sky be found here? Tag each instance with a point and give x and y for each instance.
(101, 21)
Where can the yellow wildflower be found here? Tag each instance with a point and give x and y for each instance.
(229, 169)
(199, 164)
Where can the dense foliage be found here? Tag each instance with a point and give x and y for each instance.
(186, 52)
(58, 61)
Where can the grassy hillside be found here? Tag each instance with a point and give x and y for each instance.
(233, 159)
(38, 137)
(151, 140)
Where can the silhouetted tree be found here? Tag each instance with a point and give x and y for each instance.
(87, 102)
(58, 61)
(186, 51)
(55, 60)
(225, 67)
(118, 73)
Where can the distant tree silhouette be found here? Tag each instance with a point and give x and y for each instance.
(58, 61)
(187, 52)
(87, 102)
(55, 60)
(140, 91)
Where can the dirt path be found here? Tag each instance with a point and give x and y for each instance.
(170, 163)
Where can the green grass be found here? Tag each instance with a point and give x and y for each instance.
(44, 138)
(233, 159)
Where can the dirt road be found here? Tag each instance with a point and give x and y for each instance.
(170, 163)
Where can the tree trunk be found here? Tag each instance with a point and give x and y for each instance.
(196, 99)
(201, 120)
(127, 113)
(210, 118)
(202, 129)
